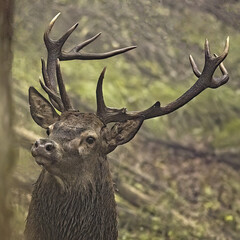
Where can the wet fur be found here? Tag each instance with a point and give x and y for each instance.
(73, 212)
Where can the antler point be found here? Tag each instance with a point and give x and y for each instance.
(132, 47)
(76, 25)
(226, 45)
(54, 19)
(103, 72)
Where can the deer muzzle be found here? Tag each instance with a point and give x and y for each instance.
(44, 151)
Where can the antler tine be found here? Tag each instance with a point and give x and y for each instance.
(55, 99)
(63, 103)
(223, 69)
(225, 51)
(65, 99)
(53, 51)
(60, 42)
(45, 74)
(105, 113)
(221, 66)
(221, 80)
(64, 38)
(207, 49)
(54, 48)
(101, 107)
(194, 66)
(205, 80)
(71, 55)
(47, 39)
(53, 96)
(85, 43)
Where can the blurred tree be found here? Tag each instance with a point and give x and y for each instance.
(6, 117)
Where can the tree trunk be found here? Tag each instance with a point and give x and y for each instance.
(6, 116)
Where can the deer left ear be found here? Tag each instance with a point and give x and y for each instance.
(121, 133)
(41, 109)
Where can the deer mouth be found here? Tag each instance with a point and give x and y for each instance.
(42, 161)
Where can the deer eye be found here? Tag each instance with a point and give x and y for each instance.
(90, 140)
(48, 131)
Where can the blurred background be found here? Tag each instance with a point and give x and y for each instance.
(179, 177)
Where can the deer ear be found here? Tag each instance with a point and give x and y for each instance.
(122, 133)
(41, 109)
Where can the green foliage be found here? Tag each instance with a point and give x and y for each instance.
(229, 135)
(158, 69)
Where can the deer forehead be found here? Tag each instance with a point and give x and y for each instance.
(72, 125)
(81, 120)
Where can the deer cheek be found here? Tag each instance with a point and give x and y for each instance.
(72, 145)
(81, 150)
(84, 150)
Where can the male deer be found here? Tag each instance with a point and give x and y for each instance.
(73, 197)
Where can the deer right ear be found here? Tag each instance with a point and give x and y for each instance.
(121, 133)
(41, 109)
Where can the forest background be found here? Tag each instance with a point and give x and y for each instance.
(179, 178)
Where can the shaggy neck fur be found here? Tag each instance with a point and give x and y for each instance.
(73, 212)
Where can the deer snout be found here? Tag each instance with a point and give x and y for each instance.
(43, 147)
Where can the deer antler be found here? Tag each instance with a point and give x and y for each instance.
(55, 53)
(62, 103)
(205, 80)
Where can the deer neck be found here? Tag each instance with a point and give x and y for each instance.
(82, 211)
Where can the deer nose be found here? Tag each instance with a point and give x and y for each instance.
(42, 147)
